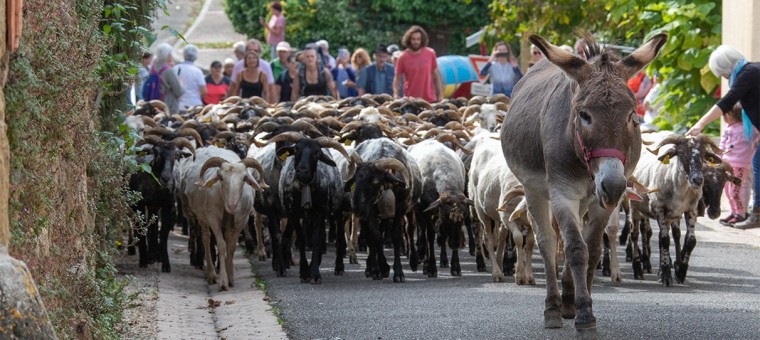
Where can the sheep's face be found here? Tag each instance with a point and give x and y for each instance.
(307, 153)
(232, 178)
(691, 154)
(453, 208)
(368, 185)
(715, 179)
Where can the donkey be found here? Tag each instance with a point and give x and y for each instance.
(572, 138)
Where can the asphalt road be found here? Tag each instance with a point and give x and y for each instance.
(719, 300)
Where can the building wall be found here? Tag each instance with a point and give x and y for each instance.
(740, 27)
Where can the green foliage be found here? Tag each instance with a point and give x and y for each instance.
(69, 196)
(363, 23)
(694, 29)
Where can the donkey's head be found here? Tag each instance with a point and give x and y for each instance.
(603, 124)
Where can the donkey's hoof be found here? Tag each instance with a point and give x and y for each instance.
(552, 319)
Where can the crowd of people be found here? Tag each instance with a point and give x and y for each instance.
(293, 73)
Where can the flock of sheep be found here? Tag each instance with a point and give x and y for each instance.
(401, 173)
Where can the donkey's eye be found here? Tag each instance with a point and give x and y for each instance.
(585, 117)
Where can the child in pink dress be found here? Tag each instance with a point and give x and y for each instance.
(738, 153)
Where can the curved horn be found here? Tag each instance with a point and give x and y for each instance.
(327, 142)
(157, 131)
(477, 100)
(233, 100)
(234, 109)
(178, 118)
(512, 193)
(425, 115)
(666, 141)
(192, 133)
(231, 119)
(224, 135)
(253, 163)
(265, 127)
(411, 117)
(213, 162)
(423, 103)
(386, 112)
(205, 109)
(350, 112)
(432, 133)
(454, 126)
(469, 110)
(453, 140)
(149, 122)
(394, 164)
(306, 127)
(191, 124)
(500, 98)
(181, 142)
(290, 136)
(149, 139)
(160, 104)
(351, 126)
(705, 139)
(433, 205)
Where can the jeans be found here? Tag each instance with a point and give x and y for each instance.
(756, 179)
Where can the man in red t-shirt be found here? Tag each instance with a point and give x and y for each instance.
(419, 68)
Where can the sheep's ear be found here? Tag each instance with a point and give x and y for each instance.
(350, 185)
(396, 180)
(325, 158)
(284, 152)
(665, 159)
(209, 183)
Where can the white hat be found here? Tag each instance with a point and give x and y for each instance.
(283, 46)
(323, 43)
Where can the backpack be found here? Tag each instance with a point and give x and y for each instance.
(152, 87)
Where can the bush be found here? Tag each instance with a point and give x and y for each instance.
(69, 200)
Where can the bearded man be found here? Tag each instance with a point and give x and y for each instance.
(418, 67)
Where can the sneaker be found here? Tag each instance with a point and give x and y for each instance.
(738, 219)
(729, 220)
(752, 222)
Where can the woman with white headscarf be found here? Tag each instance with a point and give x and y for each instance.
(744, 81)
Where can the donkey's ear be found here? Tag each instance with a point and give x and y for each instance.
(642, 56)
(574, 66)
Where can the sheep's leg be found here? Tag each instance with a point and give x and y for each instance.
(519, 250)
(528, 243)
(258, 220)
(480, 261)
(675, 230)
(638, 273)
(303, 263)
(666, 277)
(432, 269)
(231, 234)
(510, 253)
(646, 247)
(411, 231)
(690, 241)
(397, 236)
(210, 269)
(340, 245)
(353, 244)
(610, 252)
(153, 253)
(167, 224)
(444, 261)
(470, 233)
(280, 241)
(317, 228)
(374, 239)
(386, 226)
